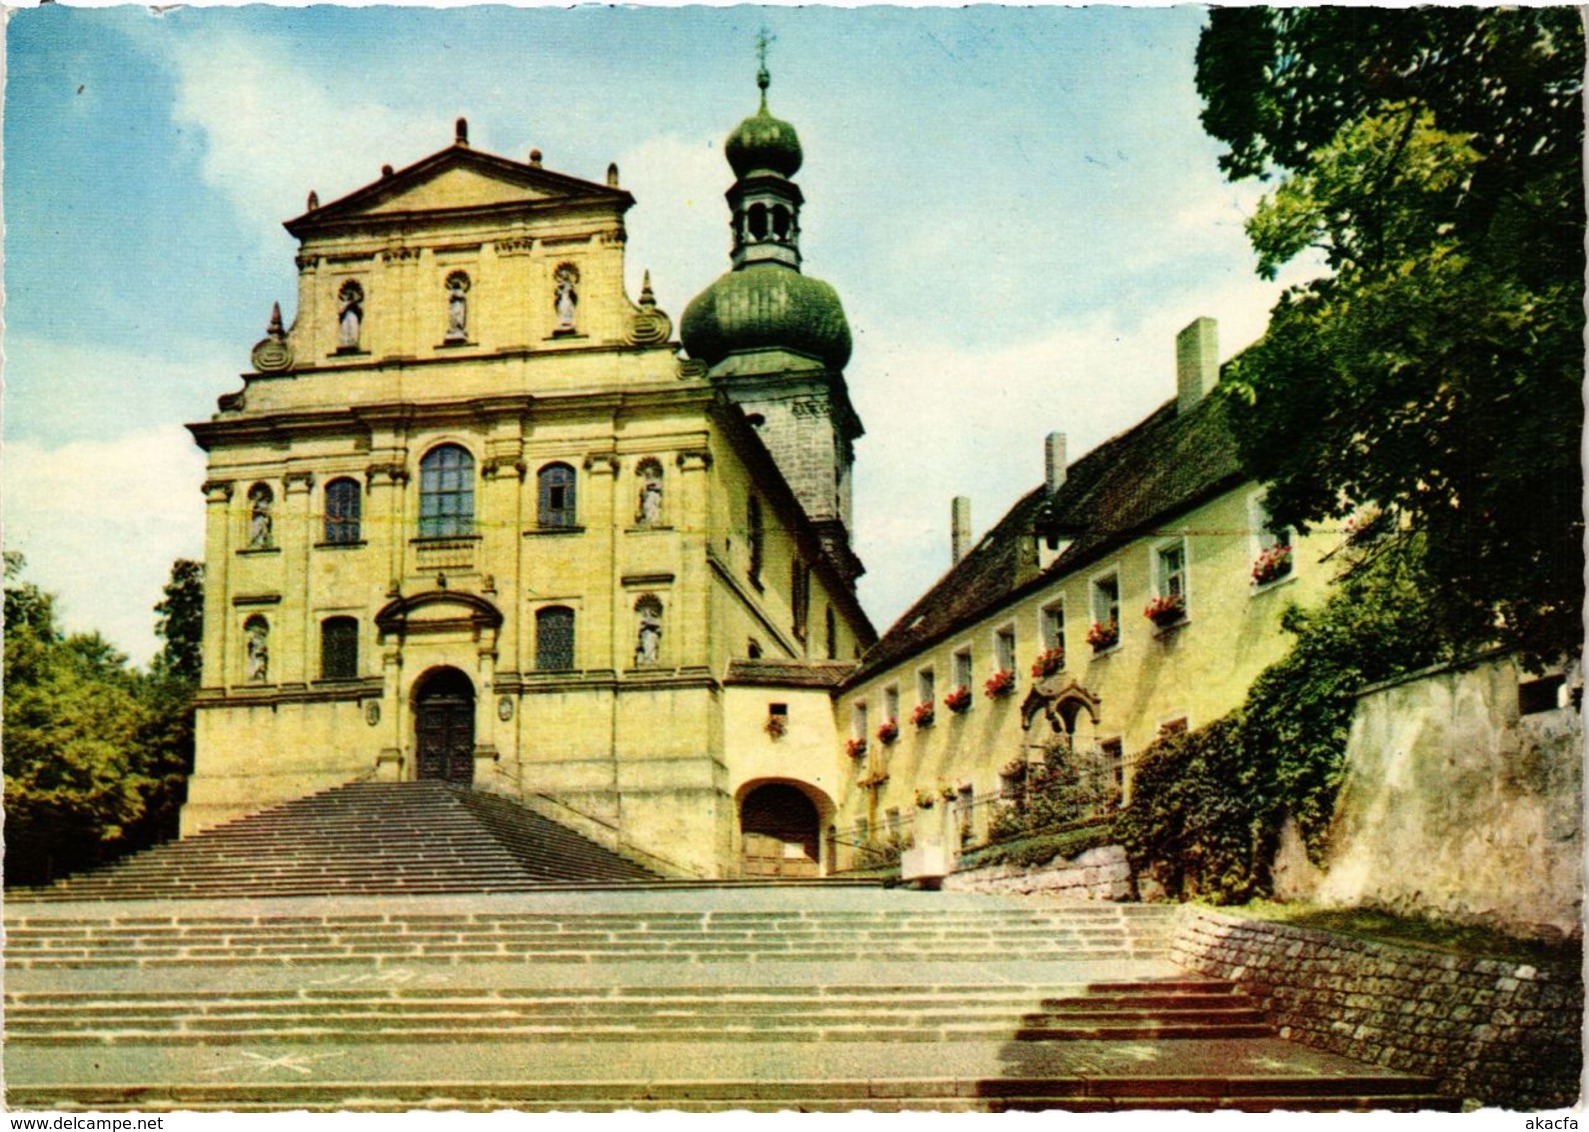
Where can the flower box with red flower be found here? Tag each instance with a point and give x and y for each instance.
(887, 733)
(776, 726)
(855, 748)
(1048, 663)
(958, 699)
(926, 799)
(1001, 683)
(923, 714)
(1166, 611)
(1103, 635)
(1272, 565)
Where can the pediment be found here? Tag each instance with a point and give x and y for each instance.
(456, 179)
(438, 610)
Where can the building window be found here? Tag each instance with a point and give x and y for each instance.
(554, 639)
(556, 496)
(1170, 570)
(1004, 649)
(832, 627)
(891, 704)
(1172, 726)
(800, 595)
(339, 648)
(446, 492)
(1114, 763)
(962, 667)
(343, 499)
(753, 649)
(926, 687)
(1105, 631)
(858, 721)
(757, 537)
(1051, 626)
(1272, 556)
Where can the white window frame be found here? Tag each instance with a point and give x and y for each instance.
(1161, 577)
(926, 685)
(1094, 589)
(891, 704)
(858, 720)
(962, 664)
(1260, 538)
(1004, 644)
(1046, 620)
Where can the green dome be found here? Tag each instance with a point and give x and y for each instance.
(767, 306)
(762, 142)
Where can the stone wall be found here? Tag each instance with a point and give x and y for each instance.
(1457, 806)
(1501, 1033)
(1102, 873)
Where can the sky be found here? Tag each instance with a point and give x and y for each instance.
(1017, 206)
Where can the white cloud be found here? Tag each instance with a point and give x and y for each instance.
(273, 132)
(101, 522)
(679, 225)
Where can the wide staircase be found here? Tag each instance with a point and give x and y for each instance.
(694, 998)
(364, 838)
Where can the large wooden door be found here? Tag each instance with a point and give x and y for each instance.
(778, 833)
(444, 727)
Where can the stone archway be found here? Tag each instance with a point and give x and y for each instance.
(444, 726)
(780, 832)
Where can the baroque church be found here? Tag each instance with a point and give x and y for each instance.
(477, 515)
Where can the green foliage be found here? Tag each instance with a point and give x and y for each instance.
(96, 754)
(1043, 848)
(1434, 158)
(1196, 822)
(1207, 805)
(1066, 787)
(181, 622)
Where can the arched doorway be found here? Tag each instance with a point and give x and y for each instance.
(779, 832)
(444, 726)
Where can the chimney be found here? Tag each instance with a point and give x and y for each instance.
(1054, 461)
(1196, 362)
(959, 528)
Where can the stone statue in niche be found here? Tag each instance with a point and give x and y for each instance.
(567, 296)
(350, 300)
(650, 634)
(650, 513)
(257, 646)
(260, 535)
(457, 307)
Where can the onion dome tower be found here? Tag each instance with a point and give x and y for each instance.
(775, 339)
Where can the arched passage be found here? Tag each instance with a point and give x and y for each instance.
(780, 832)
(444, 726)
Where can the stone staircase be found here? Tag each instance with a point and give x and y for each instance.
(364, 838)
(694, 998)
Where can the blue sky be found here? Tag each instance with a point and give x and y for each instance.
(1017, 206)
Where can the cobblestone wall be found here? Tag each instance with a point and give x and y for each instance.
(1501, 1033)
(1098, 874)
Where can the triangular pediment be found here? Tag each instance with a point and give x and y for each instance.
(455, 179)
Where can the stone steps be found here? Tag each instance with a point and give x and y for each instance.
(363, 838)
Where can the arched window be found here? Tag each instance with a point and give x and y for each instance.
(757, 538)
(556, 495)
(554, 639)
(342, 511)
(256, 650)
(261, 524)
(339, 648)
(446, 492)
(758, 222)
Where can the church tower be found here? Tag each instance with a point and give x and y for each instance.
(776, 340)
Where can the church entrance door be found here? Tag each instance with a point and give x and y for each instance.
(778, 830)
(444, 726)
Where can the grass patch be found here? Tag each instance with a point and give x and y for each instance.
(1042, 848)
(1415, 931)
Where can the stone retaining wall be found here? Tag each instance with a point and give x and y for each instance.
(1494, 1031)
(1102, 873)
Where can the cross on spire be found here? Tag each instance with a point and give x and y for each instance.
(764, 40)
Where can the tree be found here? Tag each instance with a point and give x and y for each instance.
(1433, 159)
(181, 622)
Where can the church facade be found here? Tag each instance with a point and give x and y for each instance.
(472, 517)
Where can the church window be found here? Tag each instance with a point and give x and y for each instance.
(832, 627)
(446, 492)
(800, 595)
(554, 639)
(339, 648)
(261, 524)
(780, 222)
(758, 222)
(757, 539)
(342, 511)
(556, 495)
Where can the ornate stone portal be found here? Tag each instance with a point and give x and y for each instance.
(1060, 701)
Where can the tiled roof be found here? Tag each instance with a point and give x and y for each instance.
(789, 673)
(1121, 490)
